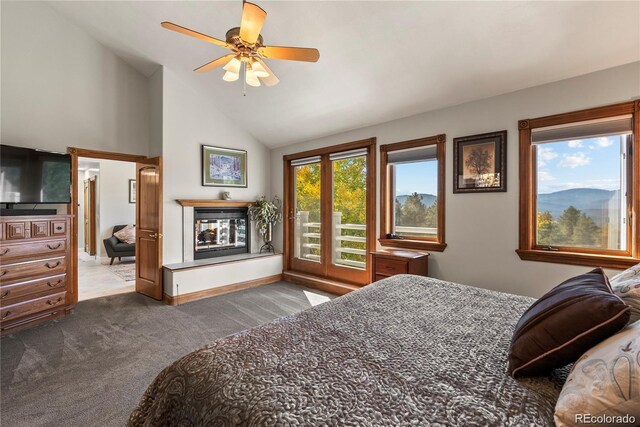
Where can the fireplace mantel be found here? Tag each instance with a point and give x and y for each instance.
(213, 203)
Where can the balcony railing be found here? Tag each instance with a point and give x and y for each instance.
(349, 240)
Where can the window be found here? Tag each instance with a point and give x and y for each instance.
(412, 194)
(579, 187)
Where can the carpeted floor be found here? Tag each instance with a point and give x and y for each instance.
(91, 367)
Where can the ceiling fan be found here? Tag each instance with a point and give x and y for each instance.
(248, 49)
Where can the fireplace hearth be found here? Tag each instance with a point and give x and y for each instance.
(220, 232)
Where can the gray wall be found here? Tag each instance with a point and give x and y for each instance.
(482, 229)
(191, 119)
(61, 88)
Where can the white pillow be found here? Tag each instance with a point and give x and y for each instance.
(604, 382)
(626, 285)
(127, 234)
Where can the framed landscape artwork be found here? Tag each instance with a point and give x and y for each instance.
(132, 191)
(480, 163)
(224, 167)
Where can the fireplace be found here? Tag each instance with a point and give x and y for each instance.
(220, 232)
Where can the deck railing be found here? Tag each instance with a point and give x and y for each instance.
(307, 240)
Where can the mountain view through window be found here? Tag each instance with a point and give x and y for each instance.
(581, 193)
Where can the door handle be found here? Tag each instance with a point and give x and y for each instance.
(54, 302)
(156, 235)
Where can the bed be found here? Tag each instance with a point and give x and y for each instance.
(406, 350)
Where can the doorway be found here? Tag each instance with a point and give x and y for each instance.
(330, 206)
(106, 238)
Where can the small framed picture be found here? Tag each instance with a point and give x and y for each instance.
(480, 163)
(132, 191)
(224, 167)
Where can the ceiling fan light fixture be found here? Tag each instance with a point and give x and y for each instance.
(233, 66)
(230, 76)
(258, 69)
(251, 78)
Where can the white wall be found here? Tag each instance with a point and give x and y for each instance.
(191, 119)
(113, 199)
(61, 88)
(482, 229)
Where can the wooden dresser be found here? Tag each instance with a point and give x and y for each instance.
(389, 262)
(34, 257)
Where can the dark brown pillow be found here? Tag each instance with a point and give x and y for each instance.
(567, 321)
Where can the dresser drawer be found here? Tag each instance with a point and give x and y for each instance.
(18, 310)
(46, 248)
(53, 284)
(389, 267)
(58, 228)
(28, 269)
(15, 230)
(39, 229)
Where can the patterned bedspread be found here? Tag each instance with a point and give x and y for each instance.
(405, 351)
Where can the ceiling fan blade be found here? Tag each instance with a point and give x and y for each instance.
(290, 53)
(271, 79)
(252, 21)
(188, 32)
(215, 63)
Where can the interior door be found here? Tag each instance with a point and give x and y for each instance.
(149, 227)
(90, 231)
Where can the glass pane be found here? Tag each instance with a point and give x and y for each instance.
(415, 195)
(349, 230)
(581, 193)
(307, 210)
(220, 233)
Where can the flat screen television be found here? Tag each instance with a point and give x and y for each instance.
(34, 176)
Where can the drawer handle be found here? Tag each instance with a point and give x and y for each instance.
(59, 228)
(4, 294)
(5, 315)
(54, 247)
(6, 251)
(52, 285)
(389, 267)
(54, 302)
(52, 266)
(4, 272)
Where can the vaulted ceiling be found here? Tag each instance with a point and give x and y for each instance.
(378, 60)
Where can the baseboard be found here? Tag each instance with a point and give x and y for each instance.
(206, 293)
(326, 285)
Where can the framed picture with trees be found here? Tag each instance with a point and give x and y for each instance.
(480, 163)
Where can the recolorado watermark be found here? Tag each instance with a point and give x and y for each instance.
(605, 419)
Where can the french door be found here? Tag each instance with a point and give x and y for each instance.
(330, 207)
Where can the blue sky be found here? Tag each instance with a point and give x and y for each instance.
(420, 177)
(584, 163)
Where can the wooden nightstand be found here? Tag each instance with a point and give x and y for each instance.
(389, 262)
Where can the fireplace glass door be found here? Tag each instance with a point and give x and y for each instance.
(220, 236)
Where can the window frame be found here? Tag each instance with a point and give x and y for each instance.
(527, 248)
(436, 244)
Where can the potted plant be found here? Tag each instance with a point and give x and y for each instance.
(266, 213)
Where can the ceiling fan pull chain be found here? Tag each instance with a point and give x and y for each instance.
(244, 80)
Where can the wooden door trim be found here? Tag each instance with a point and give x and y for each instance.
(72, 208)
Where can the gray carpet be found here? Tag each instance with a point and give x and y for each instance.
(91, 367)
